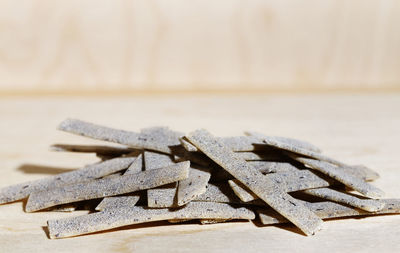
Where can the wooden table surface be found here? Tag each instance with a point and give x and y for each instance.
(357, 129)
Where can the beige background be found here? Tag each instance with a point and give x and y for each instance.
(98, 46)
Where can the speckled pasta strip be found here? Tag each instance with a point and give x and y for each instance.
(301, 151)
(351, 181)
(98, 132)
(118, 217)
(97, 170)
(236, 143)
(118, 202)
(243, 193)
(157, 138)
(118, 174)
(221, 193)
(241, 143)
(135, 167)
(154, 160)
(100, 150)
(261, 156)
(162, 198)
(329, 210)
(265, 167)
(360, 171)
(306, 152)
(290, 141)
(107, 187)
(187, 145)
(262, 186)
(370, 205)
(161, 139)
(159, 197)
(289, 182)
(194, 157)
(193, 186)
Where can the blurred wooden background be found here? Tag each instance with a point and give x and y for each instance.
(179, 45)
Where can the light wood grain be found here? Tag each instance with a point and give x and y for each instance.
(98, 45)
(352, 128)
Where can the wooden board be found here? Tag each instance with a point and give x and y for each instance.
(98, 45)
(352, 128)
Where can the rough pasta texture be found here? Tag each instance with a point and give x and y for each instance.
(157, 174)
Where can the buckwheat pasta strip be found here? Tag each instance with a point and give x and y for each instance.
(304, 180)
(241, 143)
(370, 205)
(288, 181)
(156, 197)
(345, 178)
(305, 152)
(118, 174)
(118, 202)
(135, 167)
(261, 156)
(262, 186)
(160, 139)
(154, 160)
(194, 157)
(193, 186)
(118, 217)
(221, 193)
(100, 150)
(187, 145)
(290, 141)
(265, 167)
(157, 138)
(243, 193)
(361, 171)
(162, 198)
(97, 170)
(107, 187)
(328, 210)
(236, 143)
